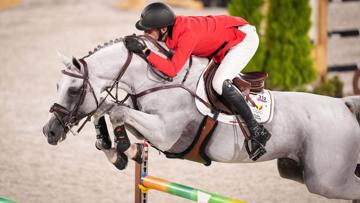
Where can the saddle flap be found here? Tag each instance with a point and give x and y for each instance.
(260, 100)
(245, 82)
(213, 98)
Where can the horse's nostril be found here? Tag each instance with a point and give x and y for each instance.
(52, 133)
(44, 131)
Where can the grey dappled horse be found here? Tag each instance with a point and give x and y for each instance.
(316, 138)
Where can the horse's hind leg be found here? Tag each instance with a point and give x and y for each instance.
(331, 173)
(339, 185)
(357, 173)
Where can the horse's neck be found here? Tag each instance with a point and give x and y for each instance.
(188, 76)
(198, 67)
(105, 65)
(192, 74)
(175, 107)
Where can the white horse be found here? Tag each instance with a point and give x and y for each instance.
(315, 138)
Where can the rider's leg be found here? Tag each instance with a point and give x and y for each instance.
(236, 59)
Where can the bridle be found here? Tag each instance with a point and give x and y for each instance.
(69, 118)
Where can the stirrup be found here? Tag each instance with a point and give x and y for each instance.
(255, 154)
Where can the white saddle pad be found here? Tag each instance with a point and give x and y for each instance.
(263, 113)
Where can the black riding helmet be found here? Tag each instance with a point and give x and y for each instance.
(155, 15)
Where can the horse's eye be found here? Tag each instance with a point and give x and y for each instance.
(73, 91)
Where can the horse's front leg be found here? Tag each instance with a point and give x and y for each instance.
(147, 125)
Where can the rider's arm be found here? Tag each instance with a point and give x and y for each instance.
(182, 52)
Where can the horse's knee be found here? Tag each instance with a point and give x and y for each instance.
(118, 115)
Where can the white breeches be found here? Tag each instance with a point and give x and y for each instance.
(237, 58)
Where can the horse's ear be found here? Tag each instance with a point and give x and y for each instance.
(76, 63)
(65, 60)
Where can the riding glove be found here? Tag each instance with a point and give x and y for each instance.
(133, 44)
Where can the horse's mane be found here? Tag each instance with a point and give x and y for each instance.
(149, 44)
(117, 40)
(106, 44)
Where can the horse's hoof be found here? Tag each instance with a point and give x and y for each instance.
(102, 144)
(121, 161)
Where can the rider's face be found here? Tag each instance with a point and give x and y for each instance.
(152, 33)
(155, 33)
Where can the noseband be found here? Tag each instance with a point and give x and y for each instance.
(70, 118)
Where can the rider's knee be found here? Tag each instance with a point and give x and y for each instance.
(217, 85)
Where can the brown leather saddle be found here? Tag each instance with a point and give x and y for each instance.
(249, 82)
(246, 82)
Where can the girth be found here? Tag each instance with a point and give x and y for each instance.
(196, 150)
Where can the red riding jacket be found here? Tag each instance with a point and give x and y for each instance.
(203, 36)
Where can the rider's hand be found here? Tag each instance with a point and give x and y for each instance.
(133, 44)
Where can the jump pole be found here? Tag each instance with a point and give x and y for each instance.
(144, 182)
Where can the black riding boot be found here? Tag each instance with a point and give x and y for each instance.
(258, 134)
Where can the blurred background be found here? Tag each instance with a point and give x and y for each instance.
(306, 45)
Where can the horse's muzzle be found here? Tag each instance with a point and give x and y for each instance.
(53, 131)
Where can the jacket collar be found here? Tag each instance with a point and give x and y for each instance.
(170, 31)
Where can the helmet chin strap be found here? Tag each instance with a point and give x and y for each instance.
(161, 35)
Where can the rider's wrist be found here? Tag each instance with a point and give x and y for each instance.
(147, 52)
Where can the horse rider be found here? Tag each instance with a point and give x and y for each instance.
(227, 40)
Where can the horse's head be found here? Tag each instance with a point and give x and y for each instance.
(76, 99)
(79, 89)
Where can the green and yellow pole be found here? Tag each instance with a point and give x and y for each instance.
(144, 182)
(3, 200)
(150, 182)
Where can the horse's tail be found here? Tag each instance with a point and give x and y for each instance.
(353, 103)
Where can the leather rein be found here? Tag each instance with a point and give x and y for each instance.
(134, 97)
(70, 118)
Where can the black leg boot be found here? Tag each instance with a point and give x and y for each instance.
(102, 138)
(258, 134)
